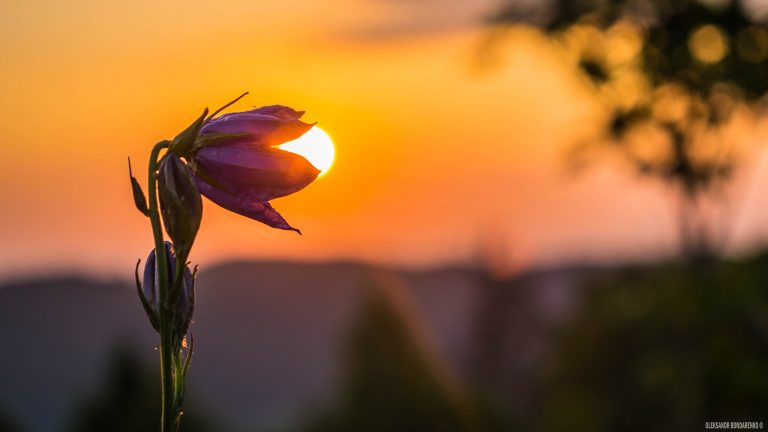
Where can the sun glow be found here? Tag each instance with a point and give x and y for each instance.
(316, 146)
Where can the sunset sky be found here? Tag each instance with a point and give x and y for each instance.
(439, 152)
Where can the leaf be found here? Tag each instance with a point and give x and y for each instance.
(186, 139)
(188, 359)
(138, 195)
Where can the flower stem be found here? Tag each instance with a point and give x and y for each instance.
(168, 415)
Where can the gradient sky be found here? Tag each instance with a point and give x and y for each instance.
(438, 157)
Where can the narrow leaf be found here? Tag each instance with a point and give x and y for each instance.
(138, 195)
(188, 359)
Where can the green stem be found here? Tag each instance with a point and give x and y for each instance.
(173, 298)
(168, 417)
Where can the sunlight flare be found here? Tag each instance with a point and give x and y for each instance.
(316, 146)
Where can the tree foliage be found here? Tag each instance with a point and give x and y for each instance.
(673, 76)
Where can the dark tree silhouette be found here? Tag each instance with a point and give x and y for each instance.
(391, 382)
(129, 401)
(673, 75)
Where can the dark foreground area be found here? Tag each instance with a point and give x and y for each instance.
(338, 347)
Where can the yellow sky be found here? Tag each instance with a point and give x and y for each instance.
(434, 156)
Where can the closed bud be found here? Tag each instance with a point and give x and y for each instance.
(180, 202)
(184, 305)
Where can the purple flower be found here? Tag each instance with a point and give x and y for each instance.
(238, 167)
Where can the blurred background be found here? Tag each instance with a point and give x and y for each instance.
(543, 215)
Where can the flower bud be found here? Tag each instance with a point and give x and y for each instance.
(185, 301)
(180, 202)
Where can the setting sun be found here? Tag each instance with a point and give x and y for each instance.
(316, 146)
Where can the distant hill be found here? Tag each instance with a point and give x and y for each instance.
(268, 334)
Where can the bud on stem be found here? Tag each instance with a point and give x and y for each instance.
(180, 202)
(180, 304)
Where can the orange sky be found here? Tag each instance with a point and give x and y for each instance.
(435, 157)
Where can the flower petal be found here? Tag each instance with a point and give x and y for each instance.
(264, 173)
(280, 126)
(245, 204)
(279, 111)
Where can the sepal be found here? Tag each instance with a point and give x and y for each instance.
(182, 144)
(151, 314)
